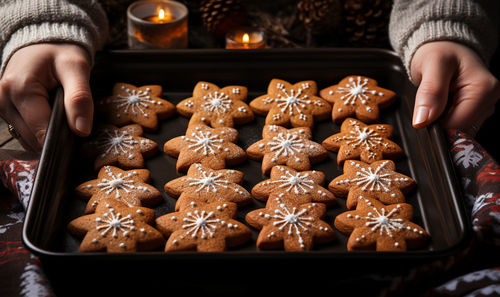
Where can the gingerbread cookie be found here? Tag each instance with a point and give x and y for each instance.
(115, 227)
(205, 185)
(291, 147)
(140, 105)
(357, 96)
(288, 227)
(357, 140)
(217, 107)
(123, 147)
(130, 187)
(294, 187)
(204, 228)
(374, 225)
(378, 179)
(212, 147)
(297, 105)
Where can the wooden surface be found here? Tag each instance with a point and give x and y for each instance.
(6, 140)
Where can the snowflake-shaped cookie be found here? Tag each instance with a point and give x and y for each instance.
(357, 140)
(212, 147)
(290, 227)
(140, 105)
(123, 147)
(217, 107)
(357, 96)
(291, 147)
(294, 187)
(378, 179)
(130, 187)
(115, 227)
(297, 105)
(374, 225)
(204, 228)
(205, 185)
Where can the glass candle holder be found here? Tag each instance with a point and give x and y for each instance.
(154, 24)
(245, 38)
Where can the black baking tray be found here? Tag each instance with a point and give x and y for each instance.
(437, 199)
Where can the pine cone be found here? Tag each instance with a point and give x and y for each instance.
(366, 22)
(319, 15)
(220, 16)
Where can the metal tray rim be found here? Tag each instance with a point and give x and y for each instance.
(433, 130)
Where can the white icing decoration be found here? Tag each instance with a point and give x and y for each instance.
(286, 144)
(217, 102)
(115, 222)
(296, 221)
(118, 182)
(200, 222)
(135, 101)
(209, 181)
(373, 180)
(356, 90)
(290, 100)
(365, 137)
(116, 141)
(383, 222)
(204, 141)
(300, 183)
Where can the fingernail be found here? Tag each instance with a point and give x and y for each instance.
(82, 124)
(421, 115)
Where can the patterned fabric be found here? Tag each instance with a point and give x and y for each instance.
(21, 273)
(480, 176)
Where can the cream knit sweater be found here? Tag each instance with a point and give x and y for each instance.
(471, 22)
(25, 22)
(413, 23)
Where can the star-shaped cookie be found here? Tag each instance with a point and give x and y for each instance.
(291, 147)
(374, 225)
(378, 179)
(290, 227)
(204, 228)
(205, 185)
(217, 107)
(130, 187)
(294, 187)
(116, 227)
(212, 147)
(357, 140)
(295, 105)
(357, 96)
(140, 105)
(123, 147)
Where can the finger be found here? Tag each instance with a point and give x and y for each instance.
(432, 92)
(73, 73)
(474, 103)
(35, 109)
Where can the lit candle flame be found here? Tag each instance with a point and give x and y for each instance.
(246, 38)
(161, 14)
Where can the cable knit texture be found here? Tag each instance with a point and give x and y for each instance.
(415, 22)
(25, 22)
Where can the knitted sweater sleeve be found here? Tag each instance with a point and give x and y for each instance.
(470, 22)
(25, 22)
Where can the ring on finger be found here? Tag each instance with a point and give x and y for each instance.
(13, 131)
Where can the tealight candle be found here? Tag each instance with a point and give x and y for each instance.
(245, 38)
(157, 24)
(161, 17)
